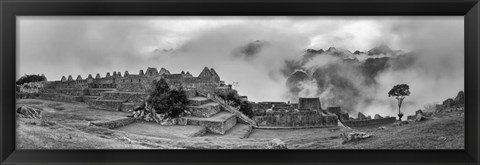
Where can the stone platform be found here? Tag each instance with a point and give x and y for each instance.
(112, 124)
(197, 101)
(205, 110)
(125, 96)
(98, 91)
(219, 123)
(369, 122)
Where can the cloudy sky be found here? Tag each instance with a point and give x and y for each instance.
(57, 46)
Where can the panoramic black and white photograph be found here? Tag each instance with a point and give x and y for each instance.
(240, 82)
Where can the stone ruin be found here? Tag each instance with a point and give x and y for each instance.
(306, 114)
(361, 120)
(282, 114)
(125, 93)
(127, 86)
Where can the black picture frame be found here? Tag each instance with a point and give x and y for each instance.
(9, 9)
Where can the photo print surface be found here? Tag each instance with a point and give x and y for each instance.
(240, 82)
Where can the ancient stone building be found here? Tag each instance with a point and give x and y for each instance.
(307, 114)
(151, 72)
(205, 83)
(309, 104)
(163, 71)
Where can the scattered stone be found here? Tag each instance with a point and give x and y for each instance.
(125, 139)
(442, 138)
(419, 112)
(382, 128)
(46, 123)
(401, 123)
(28, 112)
(428, 114)
(168, 121)
(181, 121)
(354, 136)
(139, 107)
(276, 144)
(420, 117)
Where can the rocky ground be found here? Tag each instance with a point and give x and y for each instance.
(68, 126)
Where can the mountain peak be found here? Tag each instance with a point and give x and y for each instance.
(331, 49)
(381, 49)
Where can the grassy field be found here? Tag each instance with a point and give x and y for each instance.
(66, 126)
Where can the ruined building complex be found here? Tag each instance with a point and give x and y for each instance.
(309, 113)
(117, 92)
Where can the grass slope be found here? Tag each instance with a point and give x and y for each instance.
(66, 126)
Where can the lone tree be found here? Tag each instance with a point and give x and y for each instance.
(399, 92)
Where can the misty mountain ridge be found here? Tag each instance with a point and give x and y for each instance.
(339, 77)
(379, 51)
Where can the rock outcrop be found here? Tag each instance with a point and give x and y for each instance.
(28, 112)
(354, 136)
(276, 144)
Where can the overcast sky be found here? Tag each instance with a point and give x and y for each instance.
(62, 46)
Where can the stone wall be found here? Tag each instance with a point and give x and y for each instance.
(114, 123)
(92, 87)
(31, 87)
(297, 119)
(309, 103)
(260, 108)
(68, 91)
(135, 83)
(78, 84)
(124, 96)
(60, 97)
(97, 92)
(369, 122)
(111, 105)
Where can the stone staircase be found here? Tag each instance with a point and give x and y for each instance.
(205, 112)
(242, 118)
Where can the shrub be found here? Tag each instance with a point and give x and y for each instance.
(167, 101)
(30, 78)
(232, 97)
(246, 108)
